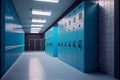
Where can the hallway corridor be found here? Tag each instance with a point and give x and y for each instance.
(59, 40)
(40, 66)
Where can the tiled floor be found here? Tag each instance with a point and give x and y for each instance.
(40, 66)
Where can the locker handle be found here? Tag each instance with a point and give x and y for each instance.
(65, 45)
(79, 46)
(69, 45)
(74, 45)
(58, 44)
(61, 45)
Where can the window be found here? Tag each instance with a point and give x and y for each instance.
(80, 16)
(74, 19)
(70, 22)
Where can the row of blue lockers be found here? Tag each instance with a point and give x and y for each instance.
(13, 41)
(76, 38)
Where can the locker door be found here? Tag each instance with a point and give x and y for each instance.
(73, 48)
(80, 58)
(59, 46)
(67, 47)
(74, 52)
(74, 28)
(62, 48)
(70, 48)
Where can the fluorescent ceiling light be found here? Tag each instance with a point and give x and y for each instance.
(35, 30)
(37, 25)
(40, 12)
(52, 1)
(39, 20)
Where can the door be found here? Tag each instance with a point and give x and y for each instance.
(32, 45)
(36, 44)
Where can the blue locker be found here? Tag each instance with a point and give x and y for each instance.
(87, 59)
(59, 46)
(67, 46)
(51, 41)
(70, 48)
(13, 40)
(74, 31)
(82, 37)
(75, 49)
(63, 41)
(91, 43)
(64, 45)
(59, 37)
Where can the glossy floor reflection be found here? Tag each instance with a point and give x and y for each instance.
(40, 66)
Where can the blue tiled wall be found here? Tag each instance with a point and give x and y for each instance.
(106, 35)
(13, 40)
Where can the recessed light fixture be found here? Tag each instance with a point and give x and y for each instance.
(39, 20)
(35, 30)
(52, 1)
(37, 25)
(41, 12)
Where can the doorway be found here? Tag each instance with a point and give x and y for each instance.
(36, 44)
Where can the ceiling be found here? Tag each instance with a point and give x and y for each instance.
(23, 9)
